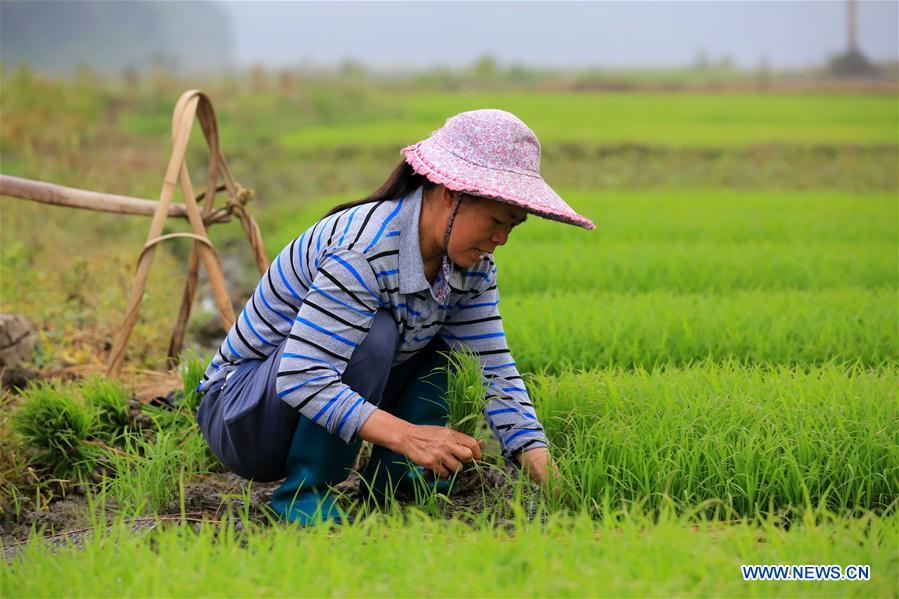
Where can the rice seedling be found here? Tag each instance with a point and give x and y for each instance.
(553, 331)
(192, 367)
(694, 266)
(625, 553)
(108, 399)
(744, 440)
(59, 428)
(719, 215)
(466, 397)
(465, 400)
(147, 474)
(600, 118)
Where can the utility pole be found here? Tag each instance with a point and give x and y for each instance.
(851, 25)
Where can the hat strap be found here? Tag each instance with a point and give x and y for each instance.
(444, 290)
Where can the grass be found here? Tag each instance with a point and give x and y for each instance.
(723, 215)
(76, 431)
(192, 367)
(595, 329)
(147, 475)
(626, 554)
(466, 397)
(707, 266)
(676, 119)
(740, 440)
(59, 428)
(108, 399)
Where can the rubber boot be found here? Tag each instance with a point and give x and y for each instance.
(315, 460)
(421, 399)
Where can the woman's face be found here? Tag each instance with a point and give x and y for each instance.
(480, 226)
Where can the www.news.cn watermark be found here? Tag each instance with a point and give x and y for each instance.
(805, 572)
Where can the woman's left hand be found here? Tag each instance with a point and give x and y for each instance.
(539, 465)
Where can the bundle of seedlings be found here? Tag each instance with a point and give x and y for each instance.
(466, 399)
(466, 396)
(60, 430)
(71, 430)
(108, 400)
(192, 369)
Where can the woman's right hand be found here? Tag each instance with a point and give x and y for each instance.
(438, 448)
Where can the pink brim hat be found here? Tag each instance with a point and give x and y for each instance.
(491, 153)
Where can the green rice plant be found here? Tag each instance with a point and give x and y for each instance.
(583, 330)
(726, 216)
(59, 428)
(192, 367)
(168, 419)
(624, 554)
(108, 399)
(16, 478)
(181, 422)
(740, 439)
(702, 120)
(605, 264)
(148, 472)
(466, 397)
(708, 241)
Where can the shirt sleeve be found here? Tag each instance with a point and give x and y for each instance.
(334, 318)
(475, 322)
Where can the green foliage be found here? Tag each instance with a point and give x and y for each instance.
(586, 330)
(698, 120)
(192, 367)
(58, 426)
(725, 439)
(16, 480)
(465, 394)
(148, 473)
(623, 555)
(108, 399)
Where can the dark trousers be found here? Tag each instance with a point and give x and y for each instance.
(259, 436)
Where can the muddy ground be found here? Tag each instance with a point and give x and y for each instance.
(207, 501)
(211, 495)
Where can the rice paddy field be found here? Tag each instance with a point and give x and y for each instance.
(715, 365)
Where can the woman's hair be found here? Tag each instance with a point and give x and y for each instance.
(401, 181)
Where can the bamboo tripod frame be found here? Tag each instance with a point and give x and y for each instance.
(192, 104)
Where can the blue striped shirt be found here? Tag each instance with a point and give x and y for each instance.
(322, 292)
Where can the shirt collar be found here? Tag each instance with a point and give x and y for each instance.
(412, 270)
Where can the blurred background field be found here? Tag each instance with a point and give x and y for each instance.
(691, 192)
(724, 343)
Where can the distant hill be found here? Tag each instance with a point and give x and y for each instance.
(58, 36)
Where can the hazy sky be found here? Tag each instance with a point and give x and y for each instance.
(575, 34)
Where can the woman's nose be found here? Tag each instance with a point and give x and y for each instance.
(500, 237)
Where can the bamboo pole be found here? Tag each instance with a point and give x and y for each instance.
(176, 173)
(192, 104)
(60, 195)
(216, 166)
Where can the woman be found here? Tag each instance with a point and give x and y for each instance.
(342, 338)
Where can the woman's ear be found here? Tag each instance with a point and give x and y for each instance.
(445, 196)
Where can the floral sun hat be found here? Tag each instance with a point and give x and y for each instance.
(491, 153)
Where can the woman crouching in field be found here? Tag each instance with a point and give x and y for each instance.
(345, 337)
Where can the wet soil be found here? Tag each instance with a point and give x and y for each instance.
(207, 500)
(210, 496)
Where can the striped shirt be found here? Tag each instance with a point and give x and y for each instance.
(322, 292)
